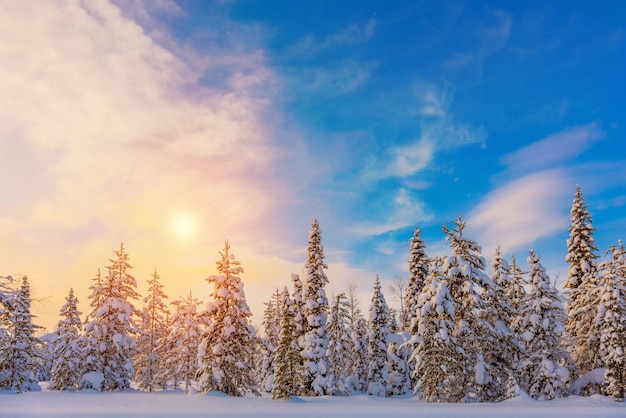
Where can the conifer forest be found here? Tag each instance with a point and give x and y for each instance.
(465, 331)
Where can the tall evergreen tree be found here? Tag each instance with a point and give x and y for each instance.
(440, 369)
(339, 345)
(225, 352)
(92, 361)
(503, 354)
(268, 342)
(610, 321)
(315, 339)
(468, 285)
(154, 317)
(111, 327)
(67, 354)
(378, 374)
(418, 272)
(543, 373)
(181, 344)
(581, 280)
(288, 362)
(21, 352)
(515, 290)
(358, 334)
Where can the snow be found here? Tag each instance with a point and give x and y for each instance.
(142, 404)
(594, 377)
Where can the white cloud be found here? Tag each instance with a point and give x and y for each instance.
(349, 36)
(105, 133)
(554, 149)
(519, 213)
(404, 209)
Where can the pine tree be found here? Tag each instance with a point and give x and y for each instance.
(439, 370)
(92, 361)
(468, 285)
(418, 272)
(378, 374)
(225, 352)
(67, 355)
(22, 349)
(153, 329)
(610, 321)
(543, 374)
(181, 344)
(515, 290)
(581, 280)
(288, 362)
(503, 353)
(111, 327)
(269, 342)
(358, 334)
(339, 345)
(315, 339)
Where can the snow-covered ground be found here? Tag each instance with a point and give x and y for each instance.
(176, 404)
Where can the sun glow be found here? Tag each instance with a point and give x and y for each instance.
(183, 226)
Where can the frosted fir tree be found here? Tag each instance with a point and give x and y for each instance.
(358, 334)
(149, 353)
(314, 342)
(440, 369)
(268, 342)
(468, 285)
(543, 374)
(226, 349)
(339, 345)
(180, 363)
(504, 351)
(287, 364)
(68, 347)
(399, 379)
(92, 362)
(21, 350)
(111, 328)
(298, 305)
(418, 272)
(581, 280)
(610, 321)
(515, 289)
(378, 374)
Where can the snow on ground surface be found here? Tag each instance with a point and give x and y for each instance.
(176, 404)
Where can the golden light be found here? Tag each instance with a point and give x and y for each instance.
(183, 226)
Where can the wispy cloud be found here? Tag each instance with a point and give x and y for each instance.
(519, 213)
(114, 134)
(351, 35)
(403, 210)
(439, 131)
(554, 149)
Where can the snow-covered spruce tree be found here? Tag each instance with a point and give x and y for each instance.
(225, 351)
(399, 379)
(111, 328)
(515, 290)
(418, 272)
(542, 374)
(504, 352)
(288, 363)
(581, 280)
(358, 334)
(468, 285)
(153, 329)
(610, 321)
(339, 346)
(315, 339)
(268, 342)
(180, 345)
(22, 349)
(68, 345)
(92, 362)
(378, 374)
(298, 306)
(439, 364)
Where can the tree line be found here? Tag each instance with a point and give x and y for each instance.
(461, 334)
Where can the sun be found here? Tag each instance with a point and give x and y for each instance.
(183, 225)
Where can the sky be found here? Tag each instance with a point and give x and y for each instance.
(174, 126)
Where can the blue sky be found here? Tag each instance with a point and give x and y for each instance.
(172, 126)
